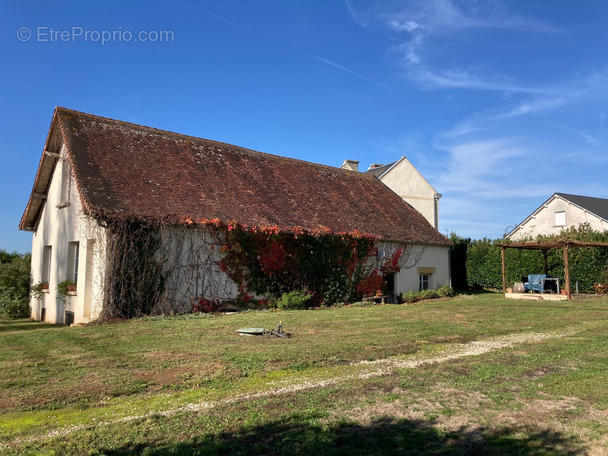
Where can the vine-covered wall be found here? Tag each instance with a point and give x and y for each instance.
(206, 264)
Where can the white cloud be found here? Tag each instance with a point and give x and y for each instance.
(463, 79)
(442, 15)
(588, 138)
(471, 163)
(417, 21)
(534, 106)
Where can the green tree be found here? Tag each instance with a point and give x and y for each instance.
(14, 285)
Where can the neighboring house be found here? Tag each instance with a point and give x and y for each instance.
(407, 182)
(96, 172)
(563, 211)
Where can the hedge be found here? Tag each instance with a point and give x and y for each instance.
(587, 265)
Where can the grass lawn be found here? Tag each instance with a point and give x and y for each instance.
(470, 375)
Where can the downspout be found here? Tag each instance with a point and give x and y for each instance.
(436, 209)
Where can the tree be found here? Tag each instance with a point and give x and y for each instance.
(14, 284)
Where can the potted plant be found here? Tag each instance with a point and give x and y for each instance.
(38, 289)
(65, 288)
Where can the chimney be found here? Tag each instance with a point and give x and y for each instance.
(375, 165)
(351, 165)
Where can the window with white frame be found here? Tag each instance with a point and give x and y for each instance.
(560, 218)
(424, 281)
(73, 257)
(47, 256)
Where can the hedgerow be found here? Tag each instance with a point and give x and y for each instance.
(587, 265)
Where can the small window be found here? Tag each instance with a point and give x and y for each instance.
(66, 181)
(73, 257)
(425, 281)
(47, 256)
(560, 218)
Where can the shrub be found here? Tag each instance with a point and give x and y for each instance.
(13, 308)
(446, 291)
(14, 285)
(410, 297)
(429, 294)
(294, 300)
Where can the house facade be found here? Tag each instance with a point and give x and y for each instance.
(407, 182)
(562, 211)
(97, 174)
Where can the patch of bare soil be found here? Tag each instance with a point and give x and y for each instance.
(160, 378)
(164, 355)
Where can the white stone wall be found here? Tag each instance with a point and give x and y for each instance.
(405, 180)
(433, 258)
(543, 220)
(191, 265)
(58, 226)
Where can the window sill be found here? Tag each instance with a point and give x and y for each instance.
(62, 205)
(72, 293)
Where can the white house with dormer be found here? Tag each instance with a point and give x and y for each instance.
(563, 211)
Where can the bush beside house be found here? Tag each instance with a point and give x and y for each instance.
(14, 285)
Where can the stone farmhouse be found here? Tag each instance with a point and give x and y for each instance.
(97, 173)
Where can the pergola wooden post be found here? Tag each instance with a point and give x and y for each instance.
(504, 273)
(545, 247)
(567, 272)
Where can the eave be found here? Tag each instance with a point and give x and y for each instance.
(48, 160)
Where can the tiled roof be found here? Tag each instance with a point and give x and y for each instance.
(128, 170)
(597, 206)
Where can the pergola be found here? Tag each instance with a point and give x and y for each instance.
(545, 247)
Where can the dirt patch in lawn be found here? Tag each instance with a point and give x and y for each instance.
(163, 355)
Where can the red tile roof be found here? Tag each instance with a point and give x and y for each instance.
(128, 170)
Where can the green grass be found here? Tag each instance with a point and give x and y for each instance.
(55, 378)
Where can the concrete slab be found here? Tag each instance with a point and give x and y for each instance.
(537, 296)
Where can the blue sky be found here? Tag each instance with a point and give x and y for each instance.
(499, 104)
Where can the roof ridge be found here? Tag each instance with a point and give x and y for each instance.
(198, 138)
(581, 196)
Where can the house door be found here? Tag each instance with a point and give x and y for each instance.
(389, 279)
